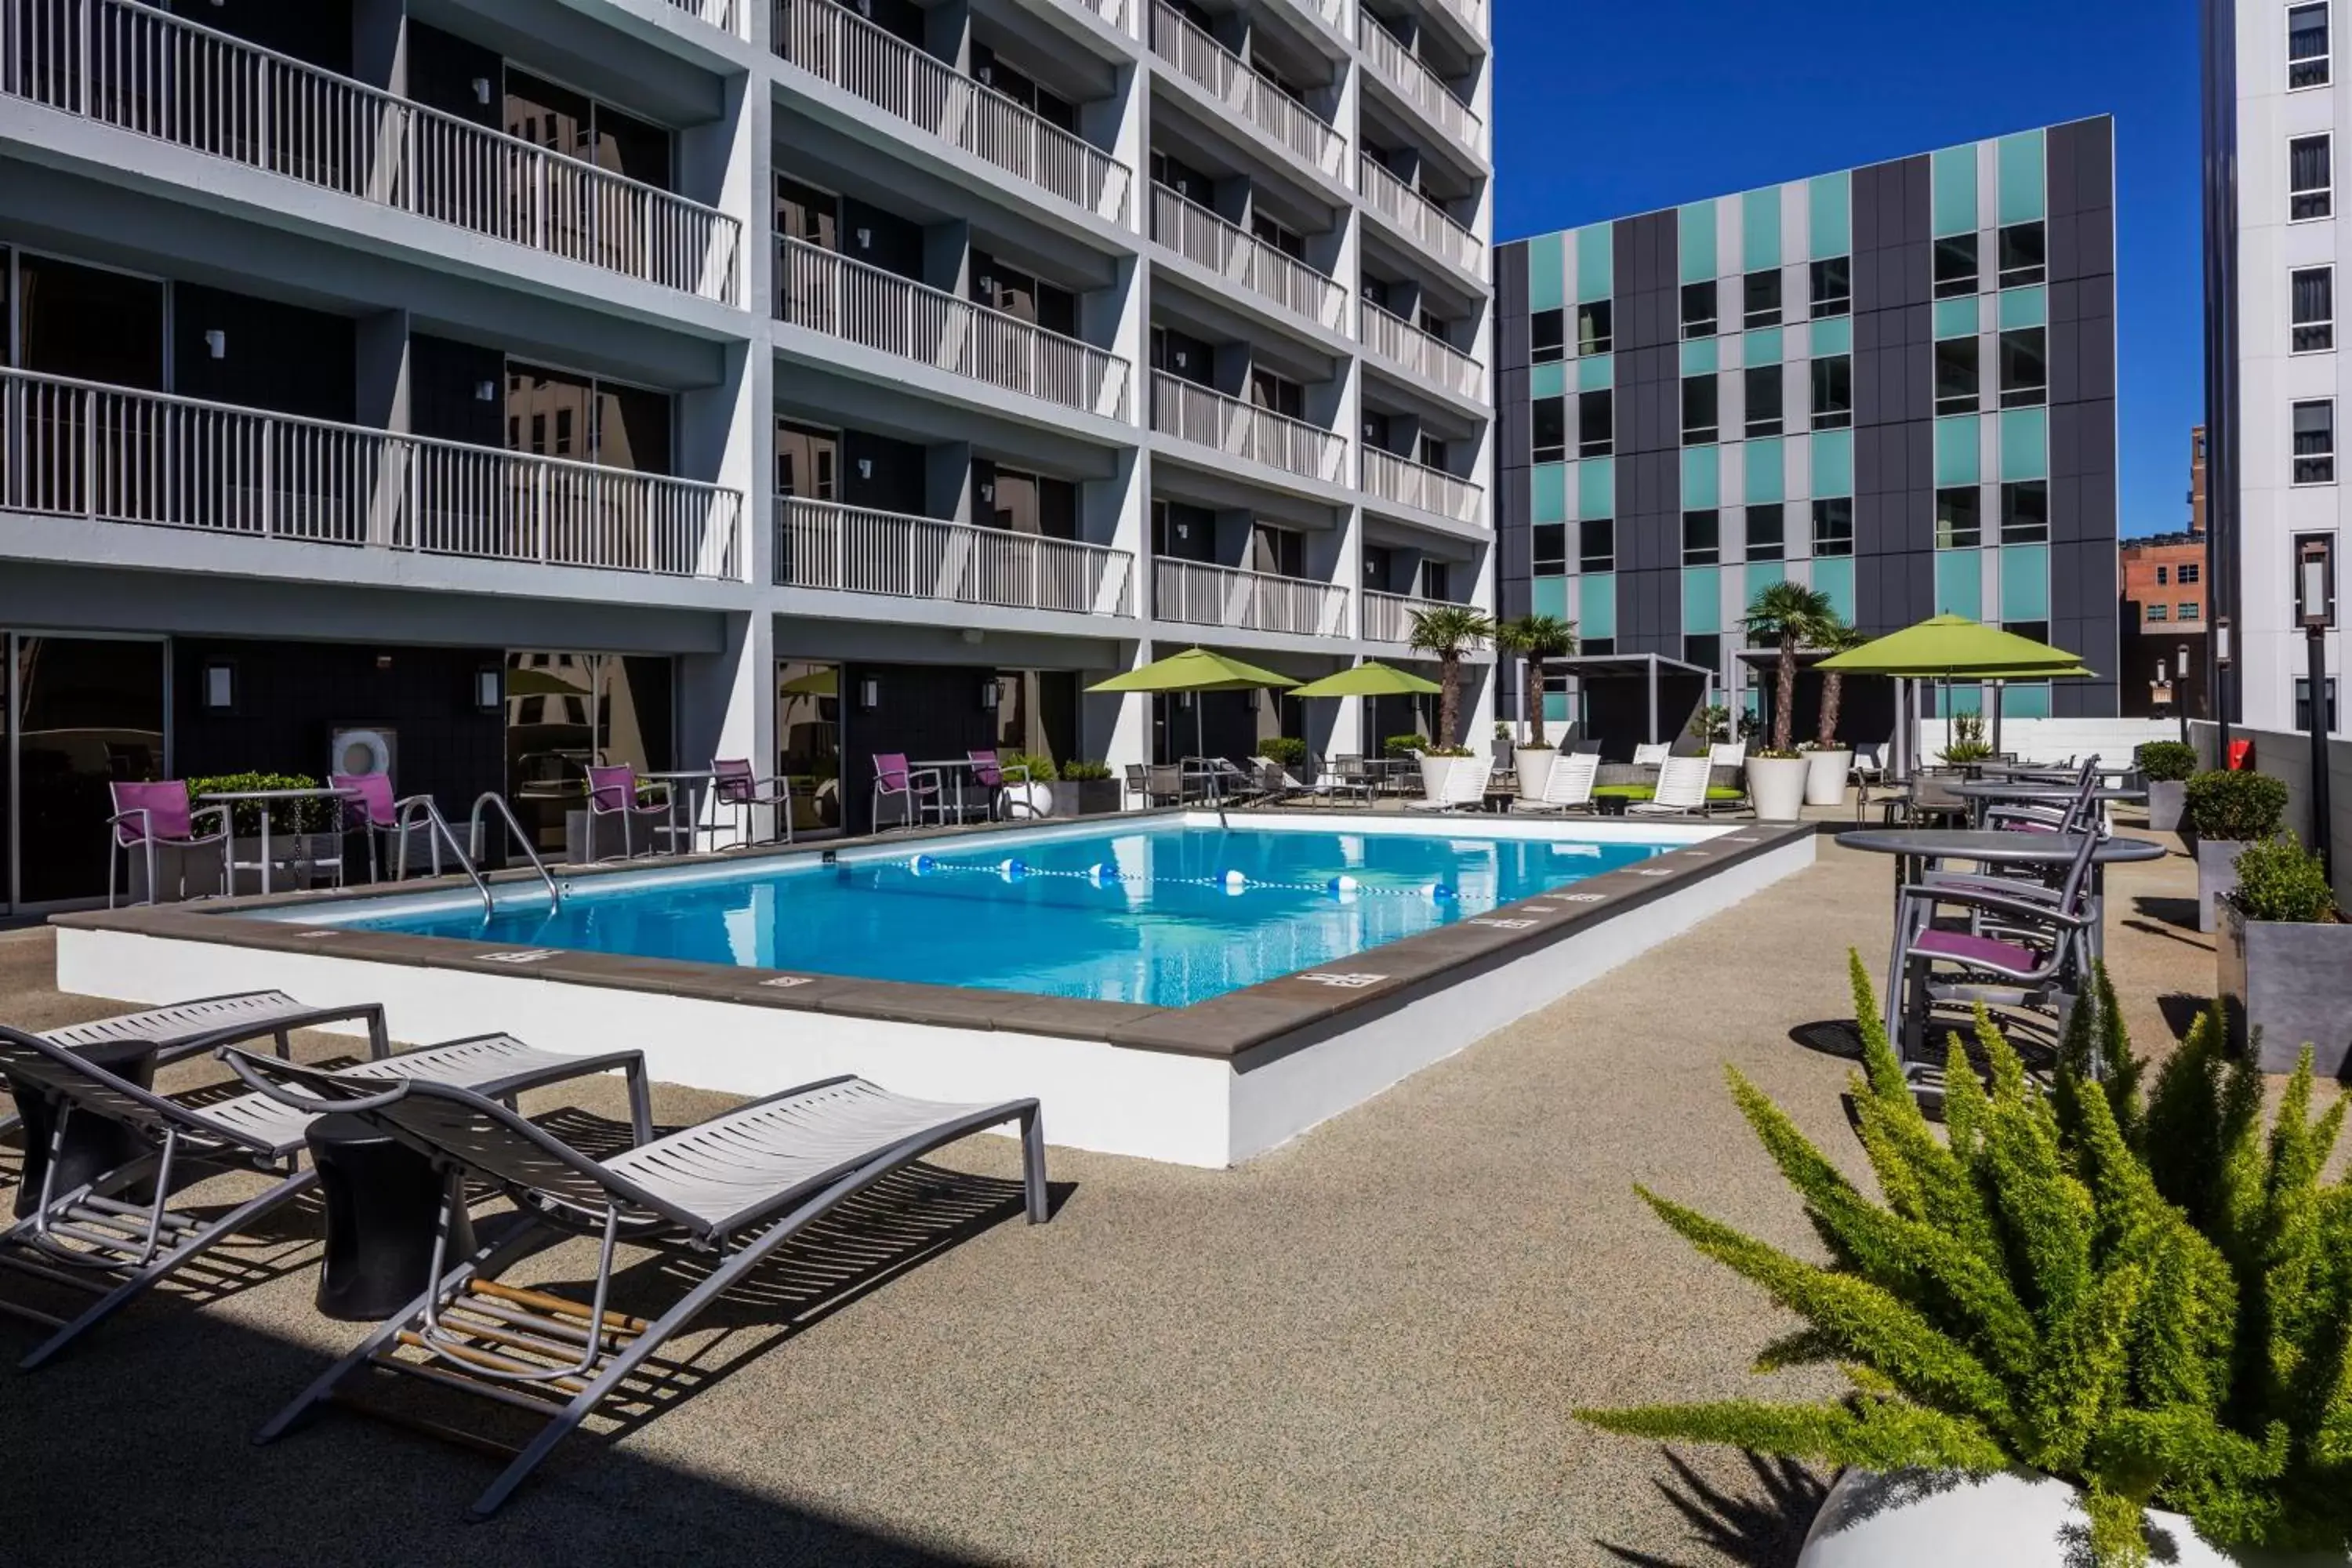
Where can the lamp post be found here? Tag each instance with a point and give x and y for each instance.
(2180, 702)
(2222, 691)
(2314, 606)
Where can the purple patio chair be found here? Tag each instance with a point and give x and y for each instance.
(995, 780)
(612, 792)
(733, 782)
(157, 816)
(376, 813)
(917, 790)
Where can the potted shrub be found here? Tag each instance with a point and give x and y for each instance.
(1965, 743)
(2131, 1304)
(1790, 615)
(1829, 762)
(2164, 767)
(1034, 799)
(1537, 640)
(2224, 811)
(1446, 632)
(1710, 725)
(302, 833)
(1086, 789)
(2285, 960)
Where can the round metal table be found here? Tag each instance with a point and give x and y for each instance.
(1913, 848)
(1983, 793)
(265, 798)
(681, 785)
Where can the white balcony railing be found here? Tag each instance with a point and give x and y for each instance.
(1421, 355)
(1416, 83)
(837, 45)
(857, 551)
(1408, 483)
(1195, 232)
(830, 293)
(1119, 14)
(1238, 429)
(110, 454)
(1201, 595)
(1228, 79)
(1332, 14)
(1388, 617)
(1421, 220)
(142, 70)
(1472, 12)
(727, 16)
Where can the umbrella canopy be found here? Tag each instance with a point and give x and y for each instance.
(1953, 648)
(825, 682)
(1372, 678)
(1196, 670)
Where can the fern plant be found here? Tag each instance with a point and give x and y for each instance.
(2144, 1294)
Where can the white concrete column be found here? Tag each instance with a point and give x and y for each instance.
(727, 707)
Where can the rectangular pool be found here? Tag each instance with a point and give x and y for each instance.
(1164, 913)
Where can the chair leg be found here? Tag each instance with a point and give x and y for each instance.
(1032, 1165)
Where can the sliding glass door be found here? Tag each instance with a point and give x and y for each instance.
(78, 714)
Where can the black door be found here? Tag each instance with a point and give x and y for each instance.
(89, 713)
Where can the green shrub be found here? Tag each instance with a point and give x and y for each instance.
(2147, 1295)
(285, 815)
(2234, 806)
(1711, 725)
(1286, 750)
(1079, 773)
(1405, 746)
(1041, 768)
(1967, 742)
(2165, 762)
(2278, 880)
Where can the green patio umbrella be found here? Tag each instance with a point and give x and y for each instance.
(1953, 648)
(1370, 678)
(1196, 670)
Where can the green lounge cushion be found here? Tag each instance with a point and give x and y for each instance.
(1647, 792)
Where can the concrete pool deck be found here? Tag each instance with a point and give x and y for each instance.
(1361, 1348)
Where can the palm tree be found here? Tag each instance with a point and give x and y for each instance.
(1835, 637)
(1448, 631)
(1792, 615)
(1537, 639)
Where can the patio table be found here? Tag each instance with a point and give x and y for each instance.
(682, 782)
(954, 769)
(1915, 848)
(265, 798)
(1982, 793)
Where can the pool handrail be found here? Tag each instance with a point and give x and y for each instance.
(516, 838)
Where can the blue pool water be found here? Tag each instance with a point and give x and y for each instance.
(1165, 915)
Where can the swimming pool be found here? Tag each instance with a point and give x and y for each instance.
(1166, 913)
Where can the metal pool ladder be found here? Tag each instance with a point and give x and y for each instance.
(420, 809)
(516, 839)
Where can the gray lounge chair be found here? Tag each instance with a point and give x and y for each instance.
(87, 1237)
(733, 1189)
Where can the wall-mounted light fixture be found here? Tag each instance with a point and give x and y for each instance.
(220, 687)
(382, 662)
(489, 692)
(865, 468)
(216, 344)
(990, 694)
(486, 392)
(482, 90)
(869, 693)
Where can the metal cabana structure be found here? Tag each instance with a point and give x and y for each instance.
(1631, 699)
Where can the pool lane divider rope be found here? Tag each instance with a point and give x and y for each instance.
(1103, 874)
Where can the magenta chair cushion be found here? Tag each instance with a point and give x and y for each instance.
(890, 771)
(165, 801)
(732, 780)
(374, 805)
(984, 769)
(611, 789)
(1963, 948)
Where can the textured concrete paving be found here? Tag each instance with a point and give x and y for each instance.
(1360, 1348)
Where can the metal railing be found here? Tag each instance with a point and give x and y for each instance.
(1332, 14)
(1227, 77)
(143, 70)
(1193, 413)
(830, 293)
(1421, 353)
(855, 550)
(1195, 232)
(839, 46)
(1119, 14)
(1388, 617)
(1201, 595)
(1472, 12)
(1423, 221)
(727, 16)
(1408, 483)
(111, 454)
(1415, 82)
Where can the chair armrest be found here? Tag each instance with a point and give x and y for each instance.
(1005, 775)
(219, 813)
(915, 777)
(146, 822)
(1976, 898)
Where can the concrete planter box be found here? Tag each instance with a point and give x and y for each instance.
(1086, 797)
(1825, 777)
(2286, 987)
(2217, 875)
(1777, 786)
(1535, 771)
(2166, 799)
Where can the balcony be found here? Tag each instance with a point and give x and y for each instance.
(852, 550)
(1416, 83)
(838, 46)
(108, 454)
(1473, 13)
(124, 65)
(829, 293)
(1119, 14)
(1332, 14)
(1388, 617)
(1200, 594)
(1237, 429)
(727, 16)
(1408, 483)
(1227, 77)
(1421, 220)
(1422, 355)
(1200, 236)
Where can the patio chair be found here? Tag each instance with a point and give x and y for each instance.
(1275, 782)
(734, 783)
(728, 1191)
(1569, 787)
(1728, 755)
(1146, 784)
(993, 778)
(157, 816)
(376, 814)
(917, 791)
(612, 792)
(1347, 777)
(91, 1237)
(1651, 756)
(1681, 790)
(1465, 788)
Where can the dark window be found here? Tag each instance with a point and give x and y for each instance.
(806, 214)
(1760, 296)
(1551, 435)
(1596, 544)
(1698, 310)
(1701, 538)
(1767, 532)
(1593, 332)
(2189, 573)
(2025, 512)
(1546, 344)
(2312, 290)
(807, 462)
(1704, 651)
(1957, 379)
(2031, 631)
(90, 324)
(2162, 576)
(1959, 518)
(1596, 645)
(2315, 442)
(1833, 392)
(2189, 611)
(1596, 424)
(1550, 549)
(1763, 412)
(2310, 178)
(2306, 46)
(1956, 266)
(2025, 367)
(1834, 526)
(2024, 255)
(1702, 419)
(1833, 287)
(2303, 703)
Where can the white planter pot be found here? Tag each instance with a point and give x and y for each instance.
(1023, 801)
(1434, 771)
(1825, 775)
(1919, 1520)
(1777, 786)
(1535, 772)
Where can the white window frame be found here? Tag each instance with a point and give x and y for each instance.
(2295, 328)
(2295, 458)
(2327, 61)
(2326, 193)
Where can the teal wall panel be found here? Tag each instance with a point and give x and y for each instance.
(1767, 479)
(2026, 701)
(1833, 575)
(1702, 600)
(1547, 380)
(2025, 582)
(1548, 492)
(1596, 605)
(1760, 229)
(1702, 356)
(1763, 346)
(1833, 463)
(1762, 574)
(1596, 487)
(1833, 215)
(1596, 261)
(2024, 308)
(1959, 450)
(1549, 597)
(1546, 274)
(2024, 444)
(1960, 584)
(1954, 179)
(2024, 164)
(1833, 336)
(1698, 241)
(1957, 318)
(1598, 373)
(1702, 477)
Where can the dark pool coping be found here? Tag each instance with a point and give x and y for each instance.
(1250, 1026)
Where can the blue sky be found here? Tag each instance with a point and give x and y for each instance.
(1603, 110)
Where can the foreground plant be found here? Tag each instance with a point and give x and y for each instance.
(2145, 1295)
